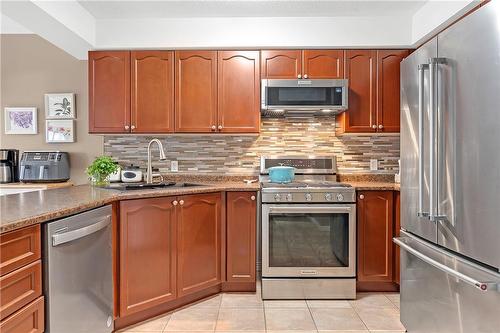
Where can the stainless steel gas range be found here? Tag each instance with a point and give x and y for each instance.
(308, 232)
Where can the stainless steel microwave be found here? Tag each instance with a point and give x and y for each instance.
(320, 96)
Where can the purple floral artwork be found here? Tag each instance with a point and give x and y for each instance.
(21, 119)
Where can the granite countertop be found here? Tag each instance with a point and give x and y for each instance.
(370, 182)
(24, 209)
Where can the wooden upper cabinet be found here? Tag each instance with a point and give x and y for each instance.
(323, 64)
(361, 71)
(147, 253)
(152, 91)
(195, 91)
(281, 64)
(241, 236)
(238, 91)
(199, 242)
(388, 89)
(375, 232)
(109, 91)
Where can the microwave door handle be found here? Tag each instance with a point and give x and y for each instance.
(421, 101)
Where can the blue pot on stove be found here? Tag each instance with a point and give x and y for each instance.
(281, 174)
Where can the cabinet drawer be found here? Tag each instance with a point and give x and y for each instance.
(19, 248)
(20, 288)
(27, 320)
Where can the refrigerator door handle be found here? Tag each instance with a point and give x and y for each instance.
(481, 285)
(433, 139)
(421, 101)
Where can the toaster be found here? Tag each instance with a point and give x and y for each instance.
(44, 167)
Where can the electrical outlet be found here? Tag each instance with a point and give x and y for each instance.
(373, 164)
(174, 166)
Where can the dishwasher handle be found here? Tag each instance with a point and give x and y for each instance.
(100, 223)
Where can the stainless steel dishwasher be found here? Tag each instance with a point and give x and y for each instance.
(78, 276)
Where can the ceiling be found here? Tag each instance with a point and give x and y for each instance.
(252, 8)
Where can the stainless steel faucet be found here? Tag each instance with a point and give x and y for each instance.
(149, 173)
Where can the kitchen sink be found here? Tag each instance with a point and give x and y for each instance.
(145, 186)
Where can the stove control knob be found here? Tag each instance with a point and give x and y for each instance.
(277, 197)
(289, 197)
(340, 197)
(309, 197)
(328, 197)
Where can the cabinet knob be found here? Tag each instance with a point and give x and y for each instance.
(127, 127)
(214, 127)
(252, 197)
(374, 126)
(361, 196)
(132, 127)
(305, 76)
(181, 202)
(220, 127)
(380, 126)
(174, 202)
(299, 76)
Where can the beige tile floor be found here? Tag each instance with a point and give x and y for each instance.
(248, 313)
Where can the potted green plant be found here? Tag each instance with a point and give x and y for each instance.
(100, 170)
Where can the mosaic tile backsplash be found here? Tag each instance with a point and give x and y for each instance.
(239, 154)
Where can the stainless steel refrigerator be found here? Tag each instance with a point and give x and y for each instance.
(450, 179)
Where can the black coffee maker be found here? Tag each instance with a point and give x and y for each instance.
(9, 165)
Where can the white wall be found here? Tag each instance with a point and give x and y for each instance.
(435, 16)
(254, 32)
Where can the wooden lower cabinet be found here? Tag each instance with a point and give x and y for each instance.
(176, 250)
(29, 319)
(397, 227)
(19, 288)
(241, 218)
(199, 239)
(375, 248)
(148, 229)
(19, 248)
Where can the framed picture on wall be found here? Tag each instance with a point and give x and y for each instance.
(60, 106)
(59, 131)
(21, 120)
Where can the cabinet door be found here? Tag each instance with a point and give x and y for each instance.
(241, 224)
(195, 91)
(152, 95)
(109, 91)
(360, 66)
(323, 64)
(281, 64)
(19, 248)
(375, 230)
(397, 227)
(199, 242)
(238, 91)
(388, 92)
(29, 319)
(147, 253)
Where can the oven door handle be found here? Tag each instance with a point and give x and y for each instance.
(278, 209)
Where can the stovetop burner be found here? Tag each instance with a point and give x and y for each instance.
(306, 184)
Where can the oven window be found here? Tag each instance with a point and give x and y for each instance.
(309, 240)
(289, 96)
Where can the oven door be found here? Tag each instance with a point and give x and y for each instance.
(308, 240)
